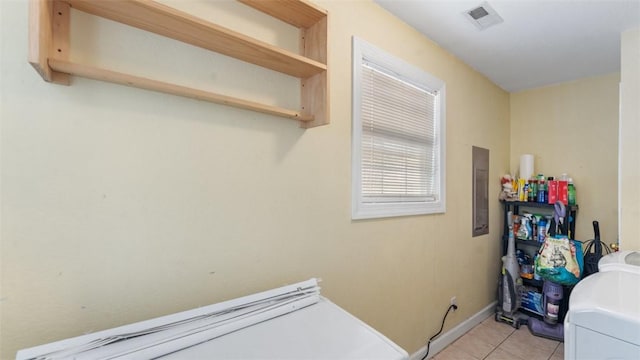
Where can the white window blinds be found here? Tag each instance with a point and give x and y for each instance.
(397, 138)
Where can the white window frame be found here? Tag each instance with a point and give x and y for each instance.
(363, 51)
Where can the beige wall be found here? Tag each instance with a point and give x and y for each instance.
(573, 128)
(120, 204)
(629, 144)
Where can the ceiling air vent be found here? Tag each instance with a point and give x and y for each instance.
(483, 16)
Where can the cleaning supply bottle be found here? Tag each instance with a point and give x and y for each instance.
(571, 192)
(533, 190)
(542, 189)
(542, 230)
(521, 190)
(536, 274)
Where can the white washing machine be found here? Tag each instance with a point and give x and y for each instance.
(603, 321)
(292, 322)
(622, 261)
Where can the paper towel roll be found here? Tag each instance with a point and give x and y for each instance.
(526, 166)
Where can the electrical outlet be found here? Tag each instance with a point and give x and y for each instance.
(454, 301)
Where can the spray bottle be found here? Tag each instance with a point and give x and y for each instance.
(511, 281)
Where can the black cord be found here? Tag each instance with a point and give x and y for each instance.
(452, 306)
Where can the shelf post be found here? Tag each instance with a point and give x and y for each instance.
(49, 23)
(315, 89)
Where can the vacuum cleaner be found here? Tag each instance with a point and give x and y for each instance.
(510, 285)
(549, 327)
(593, 252)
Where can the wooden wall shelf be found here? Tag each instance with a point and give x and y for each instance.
(49, 47)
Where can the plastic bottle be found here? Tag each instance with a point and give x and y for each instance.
(533, 190)
(571, 192)
(542, 230)
(542, 191)
(549, 190)
(536, 275)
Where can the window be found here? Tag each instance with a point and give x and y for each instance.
(398, 137)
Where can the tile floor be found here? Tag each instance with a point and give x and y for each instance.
(491, 340)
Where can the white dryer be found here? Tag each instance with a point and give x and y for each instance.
(621, 260)
(603, 321)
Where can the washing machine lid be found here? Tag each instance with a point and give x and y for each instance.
(320, 331)
(621, 261)
(608, 302)
(290, 322)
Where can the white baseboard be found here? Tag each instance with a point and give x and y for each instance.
(452, 335)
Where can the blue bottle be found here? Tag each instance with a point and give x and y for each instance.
(542, 230)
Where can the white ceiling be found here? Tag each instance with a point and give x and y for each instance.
(540, 42)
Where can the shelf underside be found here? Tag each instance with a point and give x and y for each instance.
(299, 13)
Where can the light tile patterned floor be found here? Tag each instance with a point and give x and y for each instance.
(491, 340)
